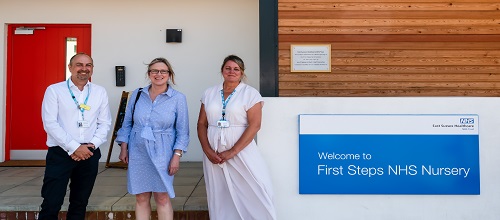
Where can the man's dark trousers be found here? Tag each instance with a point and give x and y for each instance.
(59, 170)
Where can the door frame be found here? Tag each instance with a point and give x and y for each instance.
(81, 47)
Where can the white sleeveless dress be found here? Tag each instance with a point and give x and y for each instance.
(240, 188)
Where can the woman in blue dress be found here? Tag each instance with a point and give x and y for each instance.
(153, 137)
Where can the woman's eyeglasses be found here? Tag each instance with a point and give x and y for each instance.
(153, 71)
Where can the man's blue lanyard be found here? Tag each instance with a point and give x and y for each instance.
(224, 103)
(79, 106)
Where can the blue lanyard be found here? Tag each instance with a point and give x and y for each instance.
(76, 102)
(224, 103)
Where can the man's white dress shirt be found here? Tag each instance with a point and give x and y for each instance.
(60, 115)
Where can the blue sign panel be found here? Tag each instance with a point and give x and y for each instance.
(389, 154)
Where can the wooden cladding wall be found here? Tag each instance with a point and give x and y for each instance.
(393, 47)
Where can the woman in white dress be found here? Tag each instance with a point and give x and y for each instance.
(236, 176)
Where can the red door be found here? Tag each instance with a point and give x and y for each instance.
(36, 57)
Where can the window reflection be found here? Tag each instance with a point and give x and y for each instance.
(70, 51)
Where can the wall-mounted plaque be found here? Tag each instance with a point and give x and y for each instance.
(311, 58)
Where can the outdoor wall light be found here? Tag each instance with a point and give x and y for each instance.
(174, 35)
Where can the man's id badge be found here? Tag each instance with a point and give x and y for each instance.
(222, 124)
(83, 124)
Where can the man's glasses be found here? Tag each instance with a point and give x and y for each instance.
(153, 71)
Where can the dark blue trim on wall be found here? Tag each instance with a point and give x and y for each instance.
(268, 25)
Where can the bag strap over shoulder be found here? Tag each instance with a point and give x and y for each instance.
(135, 102)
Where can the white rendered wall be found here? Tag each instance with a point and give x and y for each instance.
(278, 141)
(132, 33)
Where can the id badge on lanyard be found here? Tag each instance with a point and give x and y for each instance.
(83, 124)
(223, 123)
(81, 107)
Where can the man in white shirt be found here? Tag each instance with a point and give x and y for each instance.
(77, 119)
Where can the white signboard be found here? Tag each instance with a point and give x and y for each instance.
(311, 58)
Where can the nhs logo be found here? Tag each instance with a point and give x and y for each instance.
(466, 120)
